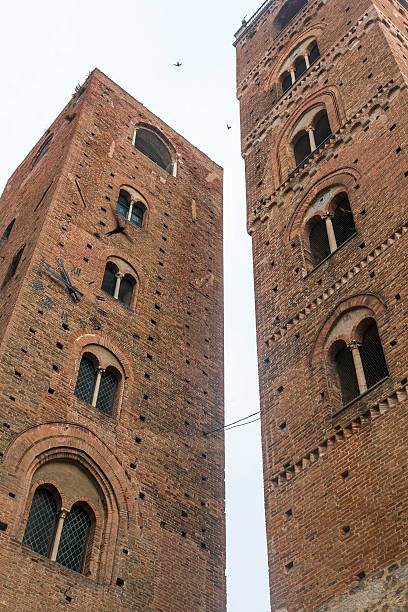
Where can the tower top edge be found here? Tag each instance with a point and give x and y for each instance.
(247, 24)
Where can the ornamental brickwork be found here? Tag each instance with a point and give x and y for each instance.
(111, 343)
(322, 86)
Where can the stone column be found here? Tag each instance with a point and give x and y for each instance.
(354, 346)
(307, 61)
(130, 211)
(62, 514)
(119, 276)
(293, 75)
(99, 373)
(310, 131)
(330, 231)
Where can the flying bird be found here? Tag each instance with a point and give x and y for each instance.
(178, 64)
(228, 127)
(119, 229)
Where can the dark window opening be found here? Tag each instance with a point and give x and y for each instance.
(287, 13)
(137, 214)
(123, 205)
(302, 148)
(85, 380)
(286, 82)
(13, 267)
(300, 67)
(150, 145)
(74, 537)
(343, 221)
(372, 356)
(319, 242)
(109, 278)
(346, 374)
(41, 520)
(107, 391)
(314, 54)
(7, 231)
(322, 129)
(126, 290)
(42, 150)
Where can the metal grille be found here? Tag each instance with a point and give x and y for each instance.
(107, 391)
(314, 54)
(319, 242)
(302, 149)
(73, 539)
(125, 291)
(322, 129)
(40, 524)
(85, 381)
(343, 221)
(150, 145)
(300, 67)
(347, 374)
(372, 356)
(136, 216)
(122, 206)
(109, 279)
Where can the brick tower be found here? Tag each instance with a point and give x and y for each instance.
(112, 496)
(322, 88)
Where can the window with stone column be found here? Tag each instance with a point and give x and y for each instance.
(119, 281)
(100, 379)
(132, 206)
(310, 133)
(299, 62)
(357, 359)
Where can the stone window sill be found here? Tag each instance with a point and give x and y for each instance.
(331, 255)
(359, 397)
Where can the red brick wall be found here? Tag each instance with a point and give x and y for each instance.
(161, 477)
(360, 78)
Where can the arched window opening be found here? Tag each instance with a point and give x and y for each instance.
(287, 13)
(110, 278)
(74, 538)
(42, 150)
(372, 355)
(286, 82)
(40, 526)
(131, 210)
(150, 145)
(314, 53)
(13, 267)
(126, 290)
(300, 67)
(319, 242)
(343, 220)
(322, 129)
(123, 204)
(302, 148)
(346, 373)
(107, 391)
(97, 381)
(7, 231)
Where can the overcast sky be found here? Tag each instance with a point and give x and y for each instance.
(47, 47)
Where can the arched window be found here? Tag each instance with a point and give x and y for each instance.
(13, 266)
(322, 129)
(131, 208)
(41, 522)
(287, 13)
(314, 53)
(74, 538)
(154, 148)
(306, 54)
(286, 82)
(318, 240)
(42, 150)
(359, 363)
(302, 148)
(343, 220)
(98, 380)
(118, 282)
(300, 67)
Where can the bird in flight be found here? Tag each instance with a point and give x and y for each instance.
(177, 64)
(228, 127)
(119, 229)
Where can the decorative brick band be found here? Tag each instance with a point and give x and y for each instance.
(342, 435)
(337, 285)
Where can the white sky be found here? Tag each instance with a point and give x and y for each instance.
(47, 47)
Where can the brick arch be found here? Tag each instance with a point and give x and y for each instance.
(313, 31)
(369, 301)
(72, 442)
(342, 177)
(121, 180)
(330, 99)
(78, 344)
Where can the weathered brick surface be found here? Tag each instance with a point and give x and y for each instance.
(361, 79)
(162, 479)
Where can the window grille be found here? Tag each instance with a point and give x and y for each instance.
(319, 242)
(122, 206)
(109, 279)
(125, 291)
(136, 216)
(74, 537)
(302, 149)
(314, 54)
(346, 374)
(107, 390)
(41, 520)
(85, 381)
(300, 67)
(372, 356)
(322, 129)
(343, 221)
(150, 145)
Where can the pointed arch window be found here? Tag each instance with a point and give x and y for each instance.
(74, 538)
(302, 148)
(148, 143)
(321, 129)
